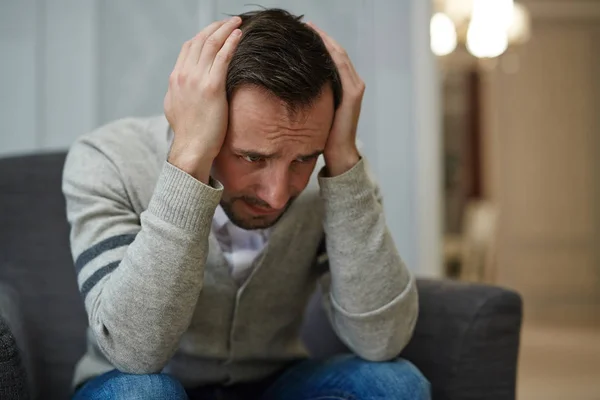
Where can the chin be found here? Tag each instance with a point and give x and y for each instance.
(251, 222)
(244, 218)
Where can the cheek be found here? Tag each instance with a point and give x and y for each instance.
(300, 178)
(233, 174)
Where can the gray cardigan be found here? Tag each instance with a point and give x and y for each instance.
(157, 289)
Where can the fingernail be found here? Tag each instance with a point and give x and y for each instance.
(237, 32)
(234, 20)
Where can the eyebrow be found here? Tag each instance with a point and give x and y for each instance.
(312, 155)
(266, 156)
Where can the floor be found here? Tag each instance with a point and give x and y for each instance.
(559, 363)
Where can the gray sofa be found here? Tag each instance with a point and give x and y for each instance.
(466, 340)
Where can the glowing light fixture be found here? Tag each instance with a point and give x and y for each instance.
(486, 40)
(519, 30)
(486, 27)
(443, 35)
(497, 12)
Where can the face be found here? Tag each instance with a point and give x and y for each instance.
(268, 155)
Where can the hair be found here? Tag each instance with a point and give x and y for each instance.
(279, 53)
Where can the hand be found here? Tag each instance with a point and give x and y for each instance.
(340, 152)
(196, 102)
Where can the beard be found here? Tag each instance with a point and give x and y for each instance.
(252, 222)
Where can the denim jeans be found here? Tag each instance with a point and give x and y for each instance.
(344, 377)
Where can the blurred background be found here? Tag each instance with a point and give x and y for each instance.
(520, 88)
(480, 122)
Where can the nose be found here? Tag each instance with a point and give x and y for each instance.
(275, 188)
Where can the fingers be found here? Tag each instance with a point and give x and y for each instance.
(348, 74)
(329, 42)
(214, 42)
(221, 62)
(185, 49)
(207, 54)
(197, 43)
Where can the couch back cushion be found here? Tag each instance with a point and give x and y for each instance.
(35, 260)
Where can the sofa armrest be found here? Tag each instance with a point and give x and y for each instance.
(466, 340)
(14, 349)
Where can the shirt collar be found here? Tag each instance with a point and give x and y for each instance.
(220, 219)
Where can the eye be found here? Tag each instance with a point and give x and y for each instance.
(304, 160)
(251, 158)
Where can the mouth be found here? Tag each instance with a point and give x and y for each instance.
(260, 210)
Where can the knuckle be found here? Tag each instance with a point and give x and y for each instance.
(210, 87)
(212, 41)
(193, 80)
(361, 87)
(200, 38)
(168, 104)
(341, 51)
(182, 79)
(357, 92)
(223, 56)
(344, 65)
(173, 78)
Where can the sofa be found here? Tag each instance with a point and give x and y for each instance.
(466, 340)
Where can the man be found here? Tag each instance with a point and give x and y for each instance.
(198, 239)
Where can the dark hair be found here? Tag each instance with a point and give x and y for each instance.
(281, 54)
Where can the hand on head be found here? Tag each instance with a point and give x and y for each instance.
(196, 102)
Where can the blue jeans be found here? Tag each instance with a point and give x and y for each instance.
(341, 378)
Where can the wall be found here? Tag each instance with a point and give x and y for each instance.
(544, 169)
(70, 66)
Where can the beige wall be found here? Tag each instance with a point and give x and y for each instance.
(542, 152)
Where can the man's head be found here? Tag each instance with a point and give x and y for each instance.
(283, 89)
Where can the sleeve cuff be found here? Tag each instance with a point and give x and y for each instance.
(183, 201)
(353, 188)
(408, 291)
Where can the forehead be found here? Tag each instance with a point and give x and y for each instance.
(258, 118)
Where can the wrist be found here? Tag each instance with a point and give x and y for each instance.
(193, 162)
(340, 162)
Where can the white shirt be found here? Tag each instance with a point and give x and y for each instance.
(240, 246)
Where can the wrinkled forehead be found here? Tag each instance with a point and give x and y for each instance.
(258, 118)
